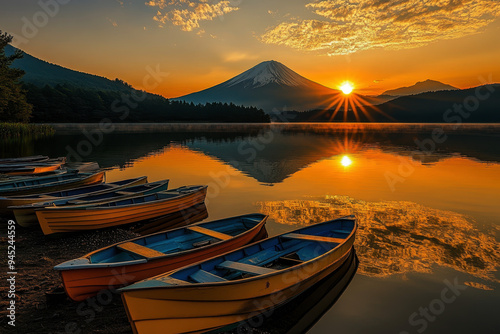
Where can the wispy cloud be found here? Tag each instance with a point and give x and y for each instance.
(187, 14)
(113, 22)
(239, 56)
(355, 25)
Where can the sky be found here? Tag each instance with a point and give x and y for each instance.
(195, 44)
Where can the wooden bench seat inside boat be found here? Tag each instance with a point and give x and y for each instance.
(171, 280)
(134, 248)
(211, 233)
(245, 268)
(309, 237)
(202, 276)
(126, 193)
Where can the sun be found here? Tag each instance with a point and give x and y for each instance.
(346, 88)
(346, 161)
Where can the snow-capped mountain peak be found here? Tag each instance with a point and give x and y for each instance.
(270, 85)
(266, 73)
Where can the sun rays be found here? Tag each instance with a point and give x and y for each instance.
(348, 102)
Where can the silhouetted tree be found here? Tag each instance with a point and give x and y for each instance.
(13, 104)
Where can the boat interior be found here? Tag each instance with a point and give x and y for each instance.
(125, 192)
(179, 240)
(271, 255)
(80, 190)
(151, 197)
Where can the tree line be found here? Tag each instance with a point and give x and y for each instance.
(67, 103)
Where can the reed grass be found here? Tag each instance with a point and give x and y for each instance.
(25, 130)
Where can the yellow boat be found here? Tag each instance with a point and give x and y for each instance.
(74, 218)
(233, 287)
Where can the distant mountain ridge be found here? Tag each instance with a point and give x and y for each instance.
(41, 73)
(270, 86)
(448, 106)
(418, 88)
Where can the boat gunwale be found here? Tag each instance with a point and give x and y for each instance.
(350, 253)
(113, 187)
(90, 265)
(83, 177)
(34, 178)
(156, 185)
(95, 206)
(350, 237)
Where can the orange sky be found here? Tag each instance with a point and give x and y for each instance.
(201, 43)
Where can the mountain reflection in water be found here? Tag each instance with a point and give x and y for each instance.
(269, 153)
(401, 237)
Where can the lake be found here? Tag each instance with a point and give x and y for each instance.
(427, 199)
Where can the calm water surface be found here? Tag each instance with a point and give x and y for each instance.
(428, 213)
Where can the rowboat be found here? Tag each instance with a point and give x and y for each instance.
(232, 287)
(24, 207)
(31, 169)
(124, 211)
(299, 315)
(136, 259)
(33, 185)
(33, 158)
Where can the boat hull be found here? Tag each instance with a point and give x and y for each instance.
(82, 279)
(71, 220)
(26, 217)
(56, 186)
(28, 170)
(202, 307)
(82, 284)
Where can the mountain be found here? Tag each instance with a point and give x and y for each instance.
(441, 106)
(61, 95)
(419, 87)
(473, 105)
(271, 86)
(41, 73)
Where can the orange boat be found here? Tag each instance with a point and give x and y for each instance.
(74, 218)
(133, 260)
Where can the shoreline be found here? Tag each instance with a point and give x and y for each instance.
(77, 128)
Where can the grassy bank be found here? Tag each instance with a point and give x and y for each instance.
(22, 130)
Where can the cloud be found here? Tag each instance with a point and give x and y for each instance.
(239, 56)
(355, 25)
(187, 14)
(113, 22)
